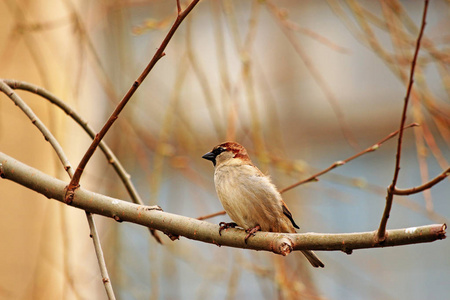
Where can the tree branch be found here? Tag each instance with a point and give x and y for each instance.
(152, 216)
(8, 91)
(424, 186)
(390, 193)
(100, 257)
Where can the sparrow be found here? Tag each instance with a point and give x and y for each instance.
(249, 197)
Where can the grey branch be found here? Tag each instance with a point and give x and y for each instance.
(153, 217)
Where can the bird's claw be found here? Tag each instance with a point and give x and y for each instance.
(224, 226)
(252, 231)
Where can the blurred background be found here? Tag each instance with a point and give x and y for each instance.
(299, 84)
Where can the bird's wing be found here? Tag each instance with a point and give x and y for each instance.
(288, 214)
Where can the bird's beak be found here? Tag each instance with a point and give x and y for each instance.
(210, 156)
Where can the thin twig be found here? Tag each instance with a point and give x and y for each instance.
(424, 186)
(74, 183)
(342, 162)
(381, 234)
(67, 166)
(152, 216)
(205, 217)
(178, 7)
(100, 257)
(4, 87)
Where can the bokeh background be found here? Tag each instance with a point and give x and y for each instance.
(301, 84)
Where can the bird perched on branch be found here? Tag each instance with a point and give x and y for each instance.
(248, 196)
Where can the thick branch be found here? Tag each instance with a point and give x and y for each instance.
(151, 216)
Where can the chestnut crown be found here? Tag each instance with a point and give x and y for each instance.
(225, 151)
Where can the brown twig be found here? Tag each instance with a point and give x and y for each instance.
(381, 233)
(424, 186)
(74, 183)
(178, 7)
(342, 162)
(205, 217)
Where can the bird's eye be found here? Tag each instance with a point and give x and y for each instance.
(219, 150)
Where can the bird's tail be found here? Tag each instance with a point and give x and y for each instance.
(313, 259)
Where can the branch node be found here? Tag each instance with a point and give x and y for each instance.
(441, 233)
(117, 218)
(282, 246)
(339, 163)
(70, 194)
(172, 236)
(380, 239)
(153, 207)
(216, 243)
(347, 251)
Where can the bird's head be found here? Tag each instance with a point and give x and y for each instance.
(229, 153)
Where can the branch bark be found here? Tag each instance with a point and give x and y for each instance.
(152, 216)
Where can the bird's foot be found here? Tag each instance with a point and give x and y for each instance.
(252, 231)
(224, 226)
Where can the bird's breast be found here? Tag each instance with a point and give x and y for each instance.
(250, 199)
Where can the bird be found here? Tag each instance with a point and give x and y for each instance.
(249, 197)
